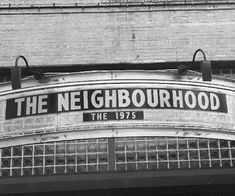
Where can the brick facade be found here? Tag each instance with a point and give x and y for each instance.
(142, 34)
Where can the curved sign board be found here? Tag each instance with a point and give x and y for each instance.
(117, 104)
(114, 100)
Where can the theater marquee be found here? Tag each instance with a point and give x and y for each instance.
(108, 104)
(113, 100)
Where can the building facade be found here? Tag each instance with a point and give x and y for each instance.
(121, 108)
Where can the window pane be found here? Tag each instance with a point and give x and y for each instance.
(224, 153)
(161, 144)
(17, 151)
(49, 149)
(203, 143)
(204, 154)
(172, 144)
(28, 150)
(192, 143)
(193, 154)
(223, 144)
(38, 150)
(213, 143)
(173, 155)
(6, 152)
(214, 154)
(183, 155)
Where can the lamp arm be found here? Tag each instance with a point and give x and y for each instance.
(194, 56)
(37, 74)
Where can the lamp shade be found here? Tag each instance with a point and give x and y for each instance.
(206, 70)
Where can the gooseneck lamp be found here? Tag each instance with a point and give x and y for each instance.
(205, 66)
(16, 73)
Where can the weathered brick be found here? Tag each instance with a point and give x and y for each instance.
(116, 35)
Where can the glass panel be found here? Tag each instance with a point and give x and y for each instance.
(130, 156)
(141, 156)
(60, 160)
(92, 168)
(173, 165)
(224, 153)
(120, 167)
(6, 152)
(102, 147)
(49, 170)
(27, 171)
(214, 154)
(151, 145)
(233, 162)
(152, 166)
(140, 145)
(225, 163)
(120, 157)
(192, 143)
(213, 143)
(182, 144)
(120, 146)
(60, 148)
(27, 161)
(205, 164)
(103, 167)
(223, 144)
(131, 166)
(141, 166)
(163, 165)
(81, 159)
(92, 158)
(162, 155)
(183, 155)
(49, 160)
(92, 147)
(204, 154)
(49, 149)
(173, 155)
(16, 172)
(60, 170)
(194, 164)
(161, 144)
(38, 161)
(17, 151)
(38, 150)
(103, 158)
(193, 154)
(233, 153)
(71, 147)
(16, 162)
(38, 171)
(6, 162)
(172, 143)
(232, 144)
(130, 146)
(81, 168)
(71, 169)
(203, 143)
(140, 153)
(70, 159)
(81, 148)
(152, 156)
(28, 150)
(215, 163)
(5, 172)
(184, 164)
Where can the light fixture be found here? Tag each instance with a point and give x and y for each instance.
(205, 67)
(16, 73)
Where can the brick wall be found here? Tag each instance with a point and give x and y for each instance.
(34, 2)
(116, 35)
